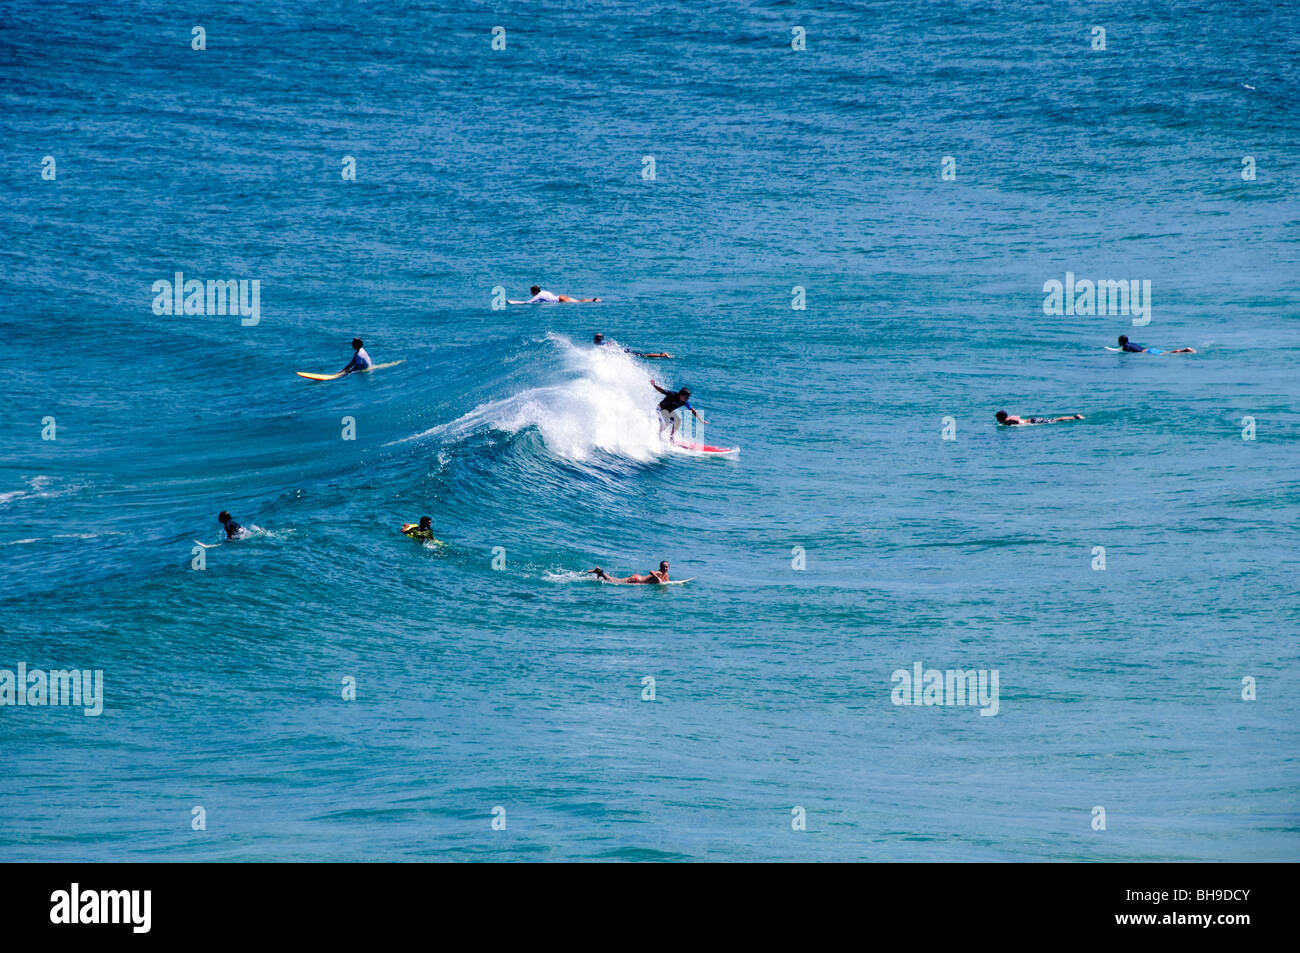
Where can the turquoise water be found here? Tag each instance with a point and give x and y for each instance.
(521, 686)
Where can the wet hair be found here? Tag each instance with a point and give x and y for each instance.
(356, 344)
(426, 522)
(663, 565)
(1123, 339)
(685, 392)
(534, 289)
(599, 338)
(224, 517)
(1001, 415)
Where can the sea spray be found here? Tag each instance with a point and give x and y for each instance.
(602, 403)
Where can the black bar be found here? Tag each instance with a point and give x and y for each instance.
(944, 902)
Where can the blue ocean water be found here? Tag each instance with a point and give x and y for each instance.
(520, 686)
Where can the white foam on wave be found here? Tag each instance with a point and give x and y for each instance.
(605, 404)
(37, 486)
(566, 575)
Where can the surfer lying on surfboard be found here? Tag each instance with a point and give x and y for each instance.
(668, 408)
(653, 577)
(548, 297)
(1133, 347)
(1010, 420)
(600, 339)
(360, 360)
(422, 531)
(233, 529)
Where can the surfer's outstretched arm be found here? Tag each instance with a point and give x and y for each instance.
(658, 388)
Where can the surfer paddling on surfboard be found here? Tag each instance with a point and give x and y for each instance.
(668, 415)
(1010, 420)
(233, 529)
(654, 577)
(600, 340)
(549, 297)
(422, 531)
(1134, 348)
(360, 361)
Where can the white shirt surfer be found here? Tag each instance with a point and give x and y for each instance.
(360, 361)
(539, 296)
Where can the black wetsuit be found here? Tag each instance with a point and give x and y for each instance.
(674, 400)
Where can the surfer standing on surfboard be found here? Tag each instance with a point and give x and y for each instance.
(653, 577)
(668, 415)
(360, 361)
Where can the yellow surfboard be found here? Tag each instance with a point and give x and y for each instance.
(407, 529)
(319, 377)
(334, 377)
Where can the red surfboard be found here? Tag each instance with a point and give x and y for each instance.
(704, 449)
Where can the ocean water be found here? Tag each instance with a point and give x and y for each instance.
(847, 541)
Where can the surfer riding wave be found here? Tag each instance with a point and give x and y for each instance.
(668, 416)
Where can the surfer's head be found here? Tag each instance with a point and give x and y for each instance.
(356, 344)
(223, 517)
(535, 289)
(1001, 415)
(684, 393)
(600, 339)
(1123, 339)
(663, 566)
(426, 522)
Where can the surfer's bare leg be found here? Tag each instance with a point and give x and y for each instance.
(667, 419)
(600, 574)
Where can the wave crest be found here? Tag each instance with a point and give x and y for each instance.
(603, 404)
